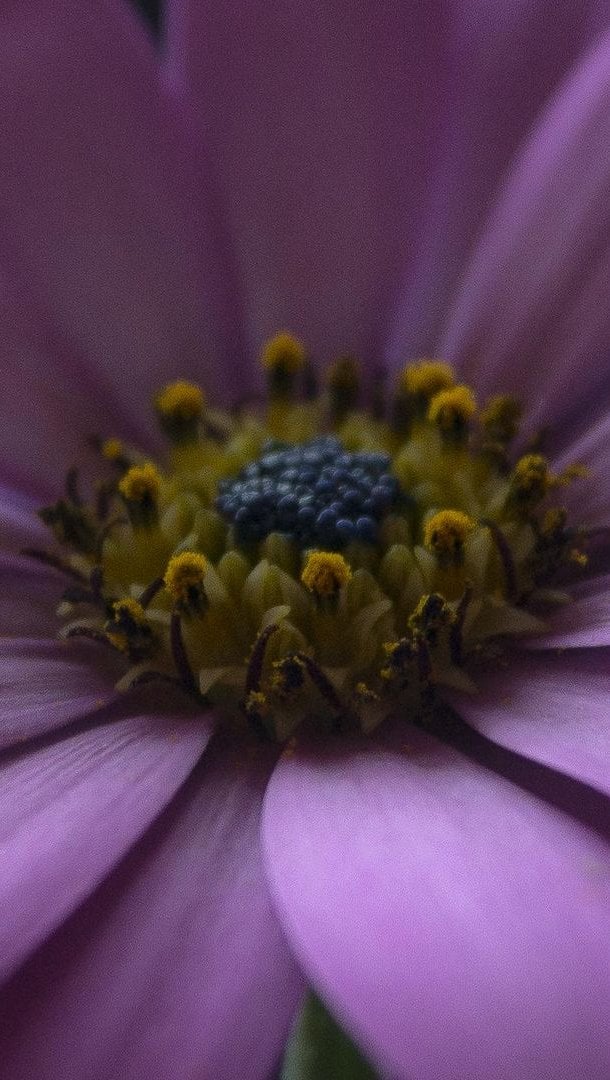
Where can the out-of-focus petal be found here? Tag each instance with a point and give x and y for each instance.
(70, 811)
(29, 595)
(583, 623)
(322, 121)
(550, 706)
(589, 497)
(177, 967)
(505, 62)
(47, 684)
(531, 316)
(456, 924)
(107, 211)
(19, 526)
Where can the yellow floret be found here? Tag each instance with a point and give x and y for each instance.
(427, 378)
(445, 532)
(112, 449)
(181, 401)
(325, 573)
(141, 482)
(283, 353)
(452, 408)
(184, 575)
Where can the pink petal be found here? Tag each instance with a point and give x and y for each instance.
(582, 624)
(551, 706)
(47, 684)
(533, 299)
(321, 121)
(177, 967)
(70, 811)
(457, 925)
(505, 61)
(107, 212)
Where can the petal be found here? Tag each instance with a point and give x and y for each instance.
(532, 299)
(19, 526)
(321, 121)
(457, 925)
(51, 400)
(29, 594)
(70, 810)
(47, 684)
(582, 624)
(552, 707)
(177, 967)
(505, 62)
(107, 211)
(589, 498)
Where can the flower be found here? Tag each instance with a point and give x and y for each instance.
(422, 181)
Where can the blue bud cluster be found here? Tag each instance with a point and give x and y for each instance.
(318, 494)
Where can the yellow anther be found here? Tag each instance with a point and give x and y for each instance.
(452, 409)
(445, 533)
(179, 409)
(579, 558)
(325, 573)
(530, 482)
(141, 483)
(283, 353)
(256, 704)
(364, 695)
(130, 609)
(427, 378)
(184, 578)
(128, 629)
(500, 418)
(180, 400)
(288, 675)
(112, 449)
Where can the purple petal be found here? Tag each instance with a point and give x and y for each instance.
(552, 707)
(456, 924)
(533, 299)
(505, 62)
(582, 624)
(70, 811)
(107, 212)
(29, 595)
(46, 684)
(19, 526)
(589, 498)
(177, 967)
(322, 123)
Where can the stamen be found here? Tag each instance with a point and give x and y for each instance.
(283, 357)
(426, 378)
(343, 388)
(179, 409)
(506, 558)
(179, 653)
(140, 489)
(452, 410)
(325, 574)
(445, 534)
(530, 482)
(184, 580)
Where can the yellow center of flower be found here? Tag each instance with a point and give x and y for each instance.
(318, 560)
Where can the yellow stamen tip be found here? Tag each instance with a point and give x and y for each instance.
(452, 407)
(256, 704)
(141, 482)
(427, 378)
(284, 353)
(325, 573)
(184, 575)
(445, 532)
(127, 606)
(181, 400)
(112, 449)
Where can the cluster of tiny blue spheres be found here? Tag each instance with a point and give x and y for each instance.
(318, 494)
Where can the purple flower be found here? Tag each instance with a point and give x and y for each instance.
(393, 180)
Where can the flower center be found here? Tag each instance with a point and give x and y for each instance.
(317, 561)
